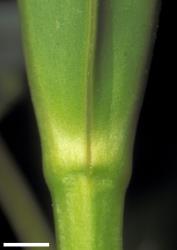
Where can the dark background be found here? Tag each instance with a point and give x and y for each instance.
(151, 203)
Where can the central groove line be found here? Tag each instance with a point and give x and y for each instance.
(93, 12)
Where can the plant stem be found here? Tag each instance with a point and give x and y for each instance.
(87, 62)
(88, 212)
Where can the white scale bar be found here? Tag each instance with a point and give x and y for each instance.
(26, 244)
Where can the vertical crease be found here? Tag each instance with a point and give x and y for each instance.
(92, 29)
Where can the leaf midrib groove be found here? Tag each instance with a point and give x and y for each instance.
(92, 31)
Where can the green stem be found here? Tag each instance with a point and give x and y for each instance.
(87, 62)
(88, 212)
